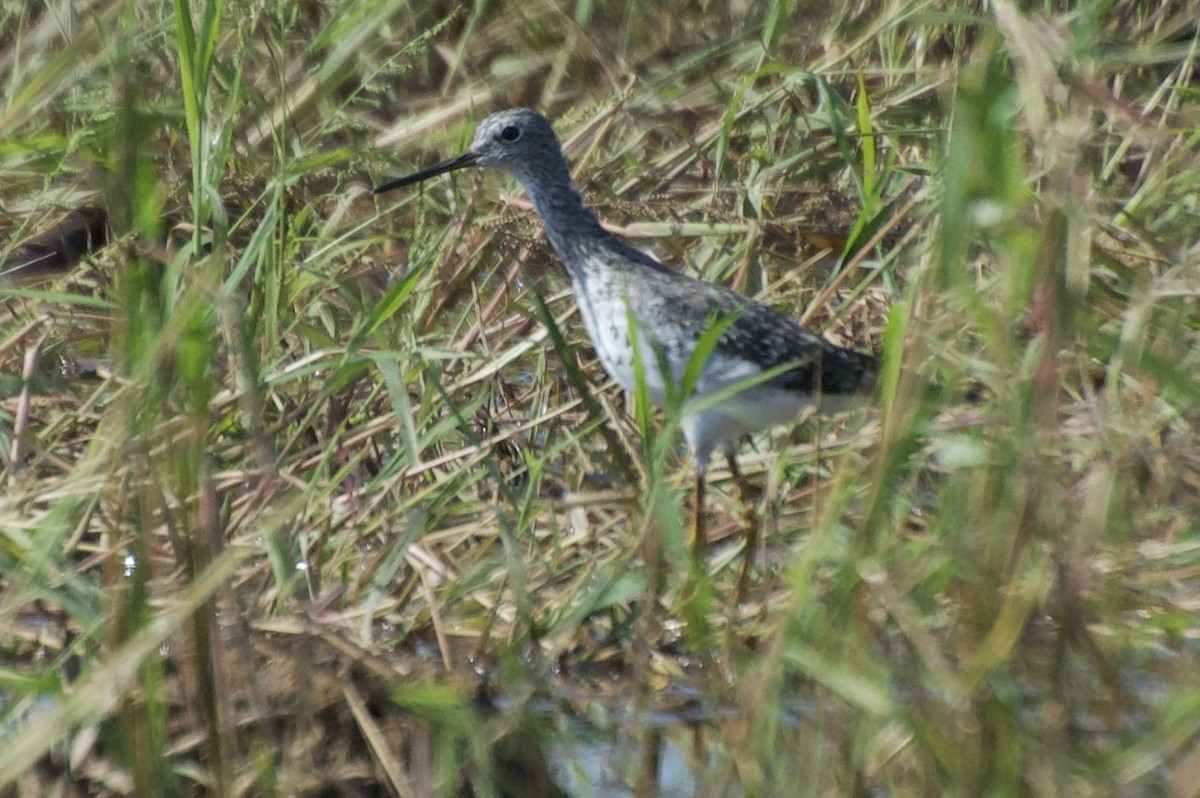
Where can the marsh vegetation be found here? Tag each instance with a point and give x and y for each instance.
(309, 493)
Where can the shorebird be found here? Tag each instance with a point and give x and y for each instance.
(765, 367)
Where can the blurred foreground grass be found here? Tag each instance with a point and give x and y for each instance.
(300, 496)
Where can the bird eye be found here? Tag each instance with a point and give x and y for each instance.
(510, 133)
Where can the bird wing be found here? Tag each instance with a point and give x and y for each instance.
(762, 337)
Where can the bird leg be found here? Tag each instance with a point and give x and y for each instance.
(747, 496)
(698, 537)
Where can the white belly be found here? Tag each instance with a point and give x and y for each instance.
(706, 427)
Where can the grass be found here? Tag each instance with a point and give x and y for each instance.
(310, 494)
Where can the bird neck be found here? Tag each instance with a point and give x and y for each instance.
(570, 225)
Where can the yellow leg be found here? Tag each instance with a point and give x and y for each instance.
(747, 496)
(698, 537)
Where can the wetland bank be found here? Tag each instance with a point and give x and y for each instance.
(311, 494)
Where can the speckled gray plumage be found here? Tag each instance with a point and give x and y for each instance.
(613, 281)
(682, 308)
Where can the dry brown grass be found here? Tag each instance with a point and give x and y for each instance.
(302, 498)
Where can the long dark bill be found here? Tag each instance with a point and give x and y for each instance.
(468, 158)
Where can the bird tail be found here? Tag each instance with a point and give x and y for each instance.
(846, 372)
